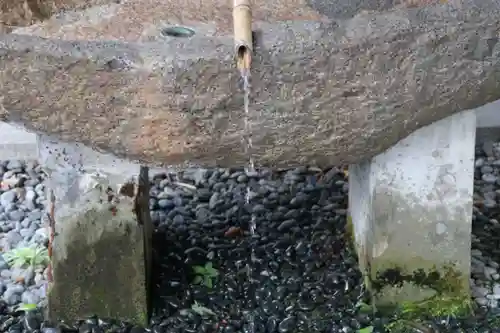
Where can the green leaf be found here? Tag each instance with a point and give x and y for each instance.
(26, 307)
(365, 308)
(197, 279)
(212, 272)
(18, 262)
(41, 256)
(32, 255)
(368, 329)
(201, 310)
(199, 270)
(208, 282)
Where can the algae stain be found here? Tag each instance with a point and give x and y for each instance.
(446, 279)
(350, 236)
(449, 298)
(408, 287)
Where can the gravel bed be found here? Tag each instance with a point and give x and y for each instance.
(295, 274)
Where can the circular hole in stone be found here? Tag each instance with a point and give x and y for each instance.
(177, 32)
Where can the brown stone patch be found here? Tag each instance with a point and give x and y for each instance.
(134, 18)
(158, 135)
(20, 13)
(155, 127)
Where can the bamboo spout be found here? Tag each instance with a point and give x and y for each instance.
(242, 20)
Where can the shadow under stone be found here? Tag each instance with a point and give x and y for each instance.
(296, 273)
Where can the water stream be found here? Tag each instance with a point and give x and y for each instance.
(248, 140)
(250, 168)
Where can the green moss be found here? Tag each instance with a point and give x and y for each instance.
(449, 295)
(350, 236)
(443, 280)
(142, 317)
(411, 316)
(394, 280)
(112, 266)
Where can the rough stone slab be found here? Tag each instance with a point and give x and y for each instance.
(100, 242)
(411, 209)
(330, 85)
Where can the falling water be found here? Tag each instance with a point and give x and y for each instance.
(248, 140)
(250, 168)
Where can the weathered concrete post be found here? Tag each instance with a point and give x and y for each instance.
(100, 233)
(411, 209)
(100, 227)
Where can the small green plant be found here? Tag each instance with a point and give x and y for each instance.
(205, 275)
(27, 256)
(364, 308)
(26, 307)
(201, 310)
(368, 329)
(412, 316)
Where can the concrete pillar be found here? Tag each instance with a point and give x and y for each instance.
(100, 234)
(100, 228)
(17, 143)
(411, 210)
(488, 115)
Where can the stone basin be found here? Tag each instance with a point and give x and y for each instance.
(333, 82)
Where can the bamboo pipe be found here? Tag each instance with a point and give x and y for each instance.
(242, 21)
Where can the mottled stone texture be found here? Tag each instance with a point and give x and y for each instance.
(332, 82)
(411, 208)
(100, 247)
(19, 13)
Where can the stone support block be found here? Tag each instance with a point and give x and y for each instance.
(411, 209)
(17, 143)
(100, 237)
(488, 115)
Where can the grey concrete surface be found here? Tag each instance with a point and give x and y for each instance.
(411, 208)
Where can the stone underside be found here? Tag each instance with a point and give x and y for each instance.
(411, 209)
(318, 98)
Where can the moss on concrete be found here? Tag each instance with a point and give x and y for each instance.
(445, 279)
(410, 261)
(349, 234)
(99, 267)
(411, 316)
(442, 290)
(395, 283)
